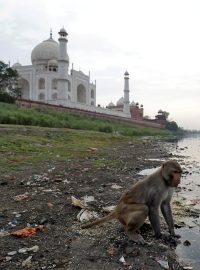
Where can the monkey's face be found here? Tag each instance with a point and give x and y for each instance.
(171, 172)
(176, 177)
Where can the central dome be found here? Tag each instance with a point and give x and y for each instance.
(45, 51)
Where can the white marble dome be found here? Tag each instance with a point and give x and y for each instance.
(15, 65)
(45, 51)
(120, 102)
(111, 104)
(53, 63)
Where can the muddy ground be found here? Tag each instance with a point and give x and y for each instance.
(61, 243)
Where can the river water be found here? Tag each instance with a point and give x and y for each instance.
(187, 153)
(189, 150)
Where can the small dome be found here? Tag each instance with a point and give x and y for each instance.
(126, 73)
(15, 65)
(62, 32)
(120, 101)
(133, 103)
(53, 63)
(45, 51)
(111, 104)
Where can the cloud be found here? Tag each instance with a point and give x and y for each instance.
(156, 41)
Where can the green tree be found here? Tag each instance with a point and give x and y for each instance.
(146, 117)
(172, 125)
(8, 83)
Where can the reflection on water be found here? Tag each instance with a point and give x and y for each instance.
(189, 149)
(189, 254)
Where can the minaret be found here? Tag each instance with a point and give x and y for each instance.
(126, 108)
(63, 65)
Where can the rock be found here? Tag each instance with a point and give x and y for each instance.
(101, 190)
(27, 262)
(11, 253)
(43, 221)
(186, 243)
(22, 250)
(34, 248)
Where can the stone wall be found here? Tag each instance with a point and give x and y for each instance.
(97, 112)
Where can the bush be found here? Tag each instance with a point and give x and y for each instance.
(107, 129)
(5, 97)
(171, 126)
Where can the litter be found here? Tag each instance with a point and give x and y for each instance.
(13, 222)
(115, 186)
(25, 250)
(4, 233)
(27, 231)
(78, 203)
(27, 262)
(87, 199)
(163, 263)
(86, 215)
(21, 197)
(122, 260)
(192, 202)
(11, 253)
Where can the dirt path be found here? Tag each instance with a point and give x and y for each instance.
(61, 244)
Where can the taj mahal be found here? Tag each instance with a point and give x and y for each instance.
(49, 80)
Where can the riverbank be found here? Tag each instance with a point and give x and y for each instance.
(40, 194)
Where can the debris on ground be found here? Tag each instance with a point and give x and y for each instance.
(53, 194)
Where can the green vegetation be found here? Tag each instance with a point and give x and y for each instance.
(172, 125)
(22, 147)
(102, 162)
(11, 114)
(9, 89)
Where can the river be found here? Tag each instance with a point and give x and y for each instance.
(188, 149)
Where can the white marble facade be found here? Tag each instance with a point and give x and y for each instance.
(49, 80)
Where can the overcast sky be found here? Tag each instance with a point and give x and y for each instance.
(156, 41)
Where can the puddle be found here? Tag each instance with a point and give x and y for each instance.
(189, 255)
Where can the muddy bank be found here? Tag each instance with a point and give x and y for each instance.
(60, 243)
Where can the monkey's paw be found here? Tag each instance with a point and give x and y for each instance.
(136, 238)
(171, 239)
(176, 236)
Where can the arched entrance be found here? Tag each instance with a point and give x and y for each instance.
(81, 94)
(25, 88)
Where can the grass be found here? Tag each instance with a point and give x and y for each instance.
(102, 162)
(22, 146)
(32, 136)
(11, 114)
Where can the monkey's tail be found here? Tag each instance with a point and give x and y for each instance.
(99, 221)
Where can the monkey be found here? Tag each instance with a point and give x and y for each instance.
(144, 199)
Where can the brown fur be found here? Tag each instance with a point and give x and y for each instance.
(144, 199)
